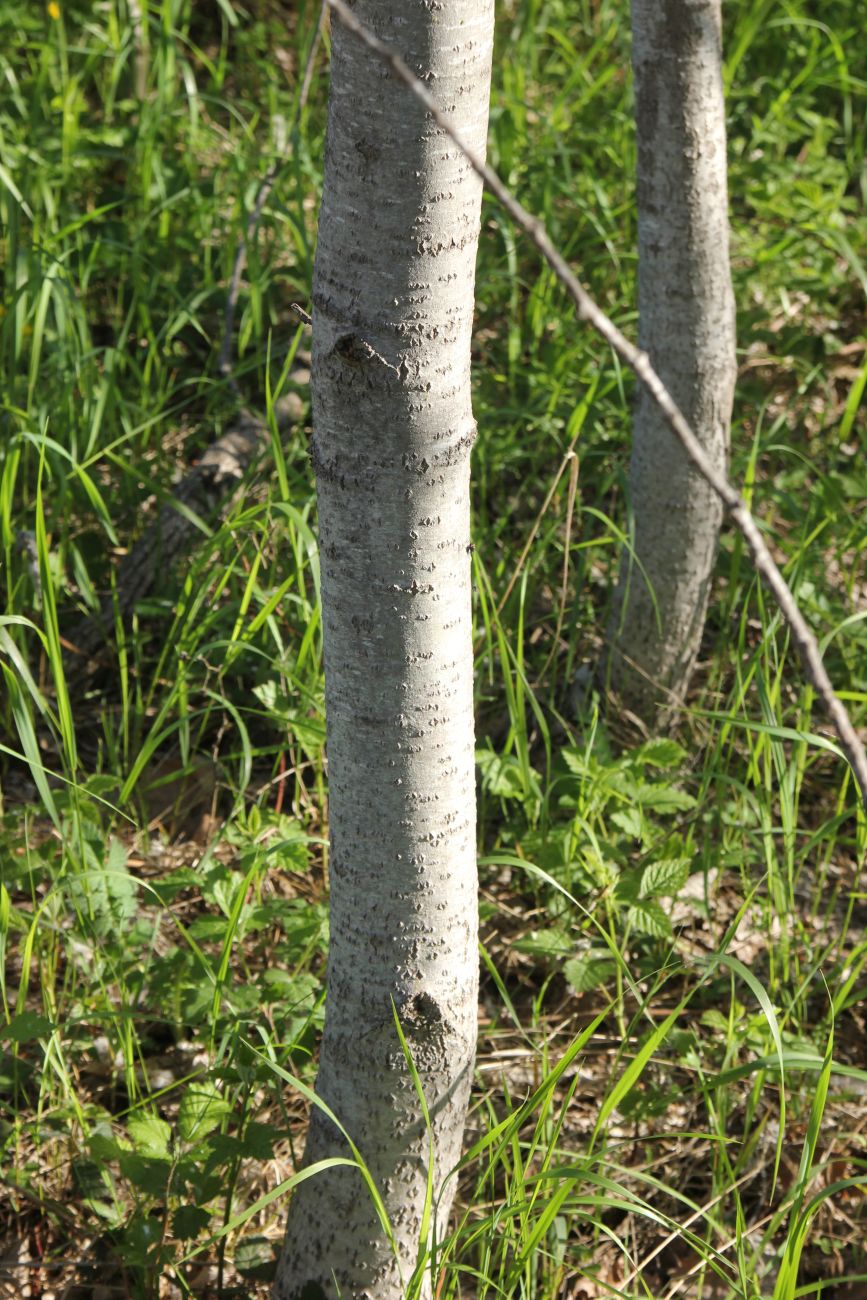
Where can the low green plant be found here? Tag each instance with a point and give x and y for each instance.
(669, 1094)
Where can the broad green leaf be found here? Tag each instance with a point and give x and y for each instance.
(150, 1174)
(551, 848)
(630, 821)
(171, 885)
(258, 1141)
(255, 1258)
(660, 753)
(664, 878)
(575, 760)
(664, 798)
(591, 972)
(628, 888)
(105, 891)
(201, 1110)
(544, 943)
(501, 774)
(225, 891)
(647, 917)
(94, 1183)
(602, 871)
(208, 929)
(188, 1221)
(150, 1135)
(26, 1027)
(105, 1146)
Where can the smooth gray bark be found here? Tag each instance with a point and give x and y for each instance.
(393, 430)
(687, 326)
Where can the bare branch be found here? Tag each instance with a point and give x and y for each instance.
(638, 361)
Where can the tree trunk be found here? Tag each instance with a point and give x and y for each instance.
(393, 429)
(686, 324)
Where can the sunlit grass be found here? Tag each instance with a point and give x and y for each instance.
(671, 1070)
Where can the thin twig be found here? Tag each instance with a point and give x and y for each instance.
(225, 361)
(639, 362)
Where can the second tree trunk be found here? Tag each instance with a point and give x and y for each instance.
(686, 325)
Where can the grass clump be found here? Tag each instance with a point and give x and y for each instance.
(670, 1087)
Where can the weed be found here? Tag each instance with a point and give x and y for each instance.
(670, 1082)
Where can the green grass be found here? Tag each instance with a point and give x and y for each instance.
(670, 1096)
